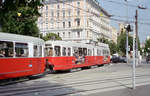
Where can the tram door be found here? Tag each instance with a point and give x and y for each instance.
(94, 55)
(37, 61)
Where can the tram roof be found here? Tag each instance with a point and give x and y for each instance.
(76, 44)
(65, 43)
(20, 38)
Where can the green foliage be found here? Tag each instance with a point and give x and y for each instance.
(120, 47)
(147, 46)
(103, 40)
(51, 36)
(122, 43)
(113, 46)
(24, 24)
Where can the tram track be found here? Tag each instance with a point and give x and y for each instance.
(41, 88)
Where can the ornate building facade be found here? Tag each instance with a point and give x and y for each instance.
(75, 20)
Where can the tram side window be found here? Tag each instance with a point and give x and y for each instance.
(107, 53)
(103, 52)
(98, 53)
(75, 52)
(69, 51)
(40, 51)
(50, 53)
(21, 49)
(57, 51)
(80, 51)
(89, 52)
(35, 51)
(85, 51)
(64, 51)
(6, 49)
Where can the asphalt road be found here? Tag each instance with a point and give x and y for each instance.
(139, 91)
(108, 80)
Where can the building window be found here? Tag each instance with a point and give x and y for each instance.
(69, 34)
(63, 24)
(63, 13)
(46, 14)
(63, 34)
(63, 5)
(78, 34)
(78, 3)
(57, 24)
(46, 7)
(78, 12)
(69, 24)
(58, 34)
(57, 14)
(52, 25)
(87, 33)
(58, 6)
(52, 14)
(78, 22)
(69, 13)
(46, 25)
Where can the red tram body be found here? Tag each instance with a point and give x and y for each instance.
(63, 58)
(27, 56)
(20, 56)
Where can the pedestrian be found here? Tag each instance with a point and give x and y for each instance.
(140, 59)
(2, 53)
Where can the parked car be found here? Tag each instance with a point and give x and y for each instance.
(148, 58)
(118, 59)
(123, 59)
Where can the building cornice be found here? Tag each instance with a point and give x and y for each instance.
(97, 4)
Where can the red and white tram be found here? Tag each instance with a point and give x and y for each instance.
(66, 55)
(20, 56)
(24, 55)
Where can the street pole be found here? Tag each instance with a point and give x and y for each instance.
(133, 66)
(136, 28)
(135, 35)
(127, 33)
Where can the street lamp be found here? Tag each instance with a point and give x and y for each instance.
(135, 47)
(136, 28)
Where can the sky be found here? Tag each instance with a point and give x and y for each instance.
(118, 9)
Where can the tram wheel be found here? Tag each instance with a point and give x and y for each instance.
(100, 65)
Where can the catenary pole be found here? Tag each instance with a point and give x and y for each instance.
(133, 66)
(127, 33)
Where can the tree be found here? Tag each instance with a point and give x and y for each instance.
(51, 36)
(103, 40)
(20, 16)
(121, 41)
(112, 45)
(147, 46)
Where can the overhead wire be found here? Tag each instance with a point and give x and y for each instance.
(116, 2)
(98, 15)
